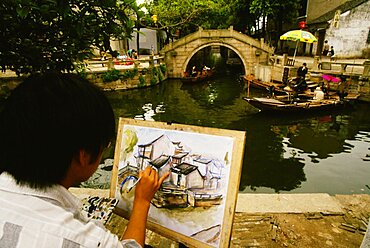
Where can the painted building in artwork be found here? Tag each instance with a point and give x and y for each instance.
(187, 170)
(187, 176)
(194, 179)
(212, 171)
(154, 149)
(344, 23)
(163, 165)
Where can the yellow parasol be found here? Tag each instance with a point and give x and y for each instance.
(298, 36)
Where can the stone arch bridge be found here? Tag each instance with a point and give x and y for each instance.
(178, 54)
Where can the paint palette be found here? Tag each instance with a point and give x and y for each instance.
(98, 208)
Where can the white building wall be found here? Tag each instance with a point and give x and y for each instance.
(349, 38)
(147, 40)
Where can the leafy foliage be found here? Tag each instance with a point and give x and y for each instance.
(141, 81)
(186, 15)
(163, 68)
(111, 75)
(130, 73)
(245, 15)
(39, 35)
(278, 12)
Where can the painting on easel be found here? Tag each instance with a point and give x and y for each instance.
(194, 203)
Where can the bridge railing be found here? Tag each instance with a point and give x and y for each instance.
(218, 33)
(121, 64)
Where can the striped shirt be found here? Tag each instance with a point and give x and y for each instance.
(38, 219)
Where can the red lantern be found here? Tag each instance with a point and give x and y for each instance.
(302, 24)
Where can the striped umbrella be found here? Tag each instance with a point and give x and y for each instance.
(298, 36)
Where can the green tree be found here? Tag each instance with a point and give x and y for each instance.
(240, 16)
(40, 35)
(277, 12)
(184, 15)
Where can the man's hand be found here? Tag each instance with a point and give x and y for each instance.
(148, 185)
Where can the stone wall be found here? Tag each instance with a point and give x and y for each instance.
(144, 77)
(349, 39)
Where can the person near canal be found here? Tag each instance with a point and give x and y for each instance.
(331, 53)
(301, 84)
(325, 50)
(54, 128)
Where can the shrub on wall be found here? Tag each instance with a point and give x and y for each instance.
(154, 71)
(130, 73)
(153, 80)
(160, 77)
(163, 68)
(111, 75)
(141, 81)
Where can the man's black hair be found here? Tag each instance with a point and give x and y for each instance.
(46, 121)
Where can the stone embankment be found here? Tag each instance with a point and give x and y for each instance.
(108, 75)
(281, 220)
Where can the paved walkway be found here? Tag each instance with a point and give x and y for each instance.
(287, 203)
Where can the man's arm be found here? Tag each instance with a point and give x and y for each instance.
(144, 193)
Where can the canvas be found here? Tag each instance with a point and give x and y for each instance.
(196, 203)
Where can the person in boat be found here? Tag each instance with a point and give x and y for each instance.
(318, 94)
(301, 84)
(205, 71)
(342, 90)
(302, 71)
(54, 128)
(271, 90)
(194, 71)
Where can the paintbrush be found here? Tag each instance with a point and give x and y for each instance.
(132, 186)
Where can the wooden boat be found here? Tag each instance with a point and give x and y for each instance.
(203, 76)
(294, 106)
(274, 87)
(256, 83)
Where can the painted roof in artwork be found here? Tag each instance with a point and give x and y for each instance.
(203, 160)
(160, 161)
(180, 155)
(184, 168)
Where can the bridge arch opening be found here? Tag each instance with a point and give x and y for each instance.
(223, 56)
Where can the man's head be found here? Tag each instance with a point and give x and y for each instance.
(45, 123)
(304, 64)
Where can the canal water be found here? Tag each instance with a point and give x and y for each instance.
(327, 153)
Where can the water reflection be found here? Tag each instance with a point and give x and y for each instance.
(328, 153)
